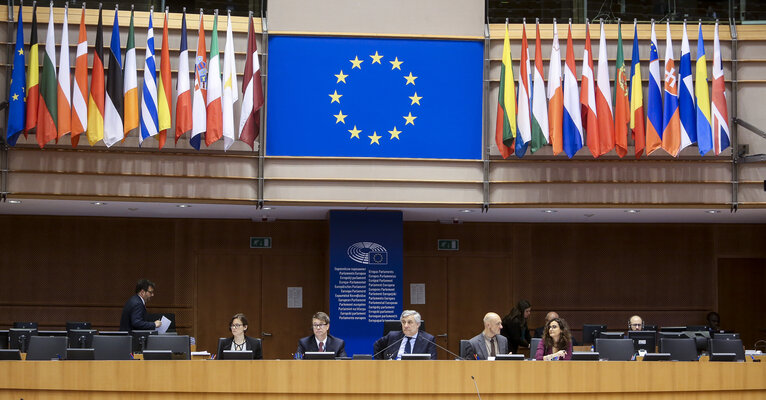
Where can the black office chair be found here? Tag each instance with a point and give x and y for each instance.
(47, 348)
(466, 350)
(77, 325)
(178, 344)
(727, 346)
(680, 349)
(533, 347)
(25, 325)
(112, 347)
(615, 349)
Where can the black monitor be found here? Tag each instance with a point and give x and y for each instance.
(4, 339)
(671, 335)
(728, 336)
(396, 325)
(727, 346)
(112, 347)
(416, 356)
(591, 331)
(362, 357)
(114, 333)
(77, 325)
(510, 357)
(673, 329)
(319, 355)
(236, 355)
(723, 357)
(679, 349)
(9, 354)
(644, 340)
(25, 325)
(139, 339)
(615, 349)
(19, 338)
(158, 355)
(43, 348)
(180, 345)
(156, 316)
(51, 333)
(80, 354)
(657, 357)
(648, 327)
(611, 335)
(81, 338)
(585, 356)
(696, 328)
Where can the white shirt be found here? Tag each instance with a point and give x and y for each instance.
(404, 343)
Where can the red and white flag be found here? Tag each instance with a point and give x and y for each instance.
(252, 92)
(604, 99)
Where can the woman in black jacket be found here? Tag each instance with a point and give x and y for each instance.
(515, 326)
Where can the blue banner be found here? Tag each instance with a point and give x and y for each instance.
(361, 97)
(365, 275)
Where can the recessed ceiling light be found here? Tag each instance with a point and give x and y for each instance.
(184, 206)
(550, 211)
(632, 211)
(266, 208)
(14, 201)
(466, 211)
(98, 203)
(713, 211)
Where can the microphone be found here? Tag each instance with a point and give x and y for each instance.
(388, 347)
(476, 386)
(444, 348)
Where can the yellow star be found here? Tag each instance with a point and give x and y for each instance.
(340, 117)
(396, 64)
(21, 52)
(356, 62)
(415, 98)
(374, 138)
(341, 77)
(354, 132)
(410, 119)
(395, 134)
(335, 97)
(376, 57)
(410, 79)
(15, 97)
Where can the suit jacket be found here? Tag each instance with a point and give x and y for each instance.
(134, 314)
(250, 344)
(480, 349)
(309, 343)
(423, 344)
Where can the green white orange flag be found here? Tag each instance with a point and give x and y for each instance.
(214, 122)
(33, 77)
(64, 93)
(80, 89)
(505, 128)
(47, 110)
(130, 81)
(163, 91)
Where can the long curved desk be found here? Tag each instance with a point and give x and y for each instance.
(358, 379)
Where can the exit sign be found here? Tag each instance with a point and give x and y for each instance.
(448, 244)
(260, 242)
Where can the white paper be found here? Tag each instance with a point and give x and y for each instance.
(165, 324)
(295, 297)
(417, 293)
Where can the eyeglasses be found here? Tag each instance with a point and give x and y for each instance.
(636, 325)
(317, 326)
(232, 326)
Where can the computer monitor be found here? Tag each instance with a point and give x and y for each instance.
(727, 336)
(728, 346)
(19, 338)
(114, 333)
(679, 349)
(10, 354)
(591, 331)
(81, 338)
(416, 356)
(51, 333)
(671, 335)
(644, 340)
(657, 357)
(362, 357)
(139, 339)
(615, 349)
(80, 354)
(509, 357)
(77, 325)
(112, 347)
(396, 325)
(180, 345)
(236, 355)
(673, 329)
(611, 335)
(695, 328)
(25, 325)
(319, 355)
(723, 357)
(4, 339)
(585, 356)
(158, 355)
(46, 348)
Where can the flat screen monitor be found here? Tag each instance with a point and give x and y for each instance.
(585, 355)
(362, 357)
(509, 357)
(673, 329)
(112, 347)
(178, 344)
(81, 338)
(591, 331)
(611, 335)
(237, 355)
(43, 348)
(657, 357)
(25, 325)
(319, 355)
(19, 338)
(139, 339)
(158, 355)
(77, 325)
(416, 356)
(4, 339)
(696, 328)
(396, 325)
(51, 333)
(727, 336)
(80, 354)
(114, 333)
(644, 340)
(671, 335)
(10, 354)
(728, 346)
(723, 357)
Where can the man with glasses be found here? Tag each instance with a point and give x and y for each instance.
(134, 312)
(321, 340)
(635, 323)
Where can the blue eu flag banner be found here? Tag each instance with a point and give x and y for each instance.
(17, 96)
(362, 97)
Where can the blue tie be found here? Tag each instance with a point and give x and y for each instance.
(407, 347)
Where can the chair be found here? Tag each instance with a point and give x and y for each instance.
(615, 349)
(113, 347)
(222, 356)
(466, 350)
(727, 346)
(679, 349)
(533, 347)
(25, 325)
(77, 325)
(178, 344)
(47, 348)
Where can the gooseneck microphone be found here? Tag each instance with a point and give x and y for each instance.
(476, 386)
(444, 348)
(388, 347)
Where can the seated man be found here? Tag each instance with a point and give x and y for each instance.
(490, 342)
(636, 323)
(321, 340)
(408, 340)
(539, 331)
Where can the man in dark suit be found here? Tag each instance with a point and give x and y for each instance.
(409, 340)
(539, 331)
(321, 340)
(490, 342)
(134, 312)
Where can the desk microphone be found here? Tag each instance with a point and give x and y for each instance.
(388, 347)
(444, 348)
(476, 386)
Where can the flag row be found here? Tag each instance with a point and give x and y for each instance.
(43, 99)
(569, 118)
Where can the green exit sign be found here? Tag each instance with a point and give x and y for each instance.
(448, 244)
(260, 242)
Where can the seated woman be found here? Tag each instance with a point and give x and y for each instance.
(556, 343)
(238, 341)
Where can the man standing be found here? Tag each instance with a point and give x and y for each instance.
(321, 340)
(407, 341)
(490, 342)
(134, 312)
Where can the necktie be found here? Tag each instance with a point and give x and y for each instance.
(407, 347)
(321, 346)
(492, 347)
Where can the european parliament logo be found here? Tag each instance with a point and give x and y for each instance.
(358, 97)
(368, 253)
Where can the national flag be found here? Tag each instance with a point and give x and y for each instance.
(164, 105)
(621, 100)
(95, 128)
(47, 109)
(572, 122)
(214, 122)
(230, 86)
(80, 89)
(113, 105)
(588, 98)
(523, 116)
(604, 99)
(183, 95)
(539, 107)
(671, 123)
(33, 77)
(654, 103)
(200, 88)
(686, 95)
(719, 109)
(704, 131)
(64, 92)
(505, 128)
(149, 116)
(130, 82)
(17, 104)
(555, 94)
(636, 97)
(252, 91)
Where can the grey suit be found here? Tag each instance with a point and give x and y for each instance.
(479, 348)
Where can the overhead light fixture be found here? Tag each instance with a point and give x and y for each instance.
(266, 208)
(14, 201)
(98, 203)
(183, 205)
(713, 211)
(466, 211)
(632, 211)
(550, 211)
